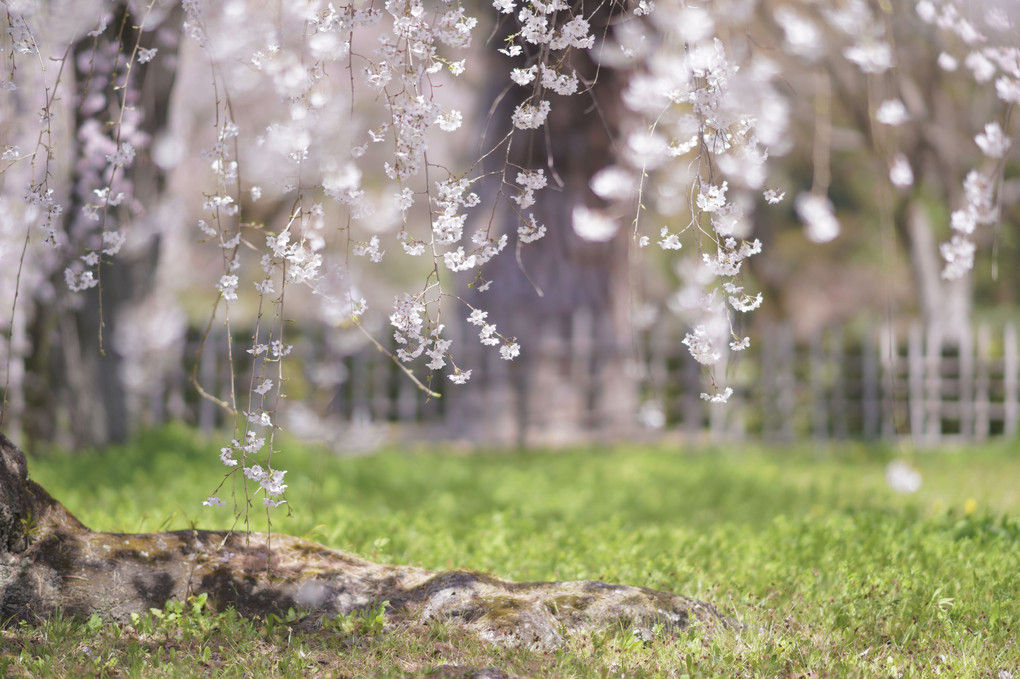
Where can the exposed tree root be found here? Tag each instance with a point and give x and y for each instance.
(50, 561)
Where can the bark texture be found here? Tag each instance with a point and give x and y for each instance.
(49, 560)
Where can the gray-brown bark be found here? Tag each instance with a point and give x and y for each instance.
(50, 561)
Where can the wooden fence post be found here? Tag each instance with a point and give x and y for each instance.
(964, 391)
(1011, 406)
(915, 361)
(839, 402)
(982, 385)
(933, 385)
(361, 410)
(383, 407)
(870, 405)
(718, 414)
(656, 375)
(581, 353)
(818, 382)
(890, 367)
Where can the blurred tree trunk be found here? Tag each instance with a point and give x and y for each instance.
(561, 278)
(71, 372)
(945, 304)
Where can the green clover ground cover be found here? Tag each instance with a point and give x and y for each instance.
(829, 571)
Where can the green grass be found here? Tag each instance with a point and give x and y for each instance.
(831, 573)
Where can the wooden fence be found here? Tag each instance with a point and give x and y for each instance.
(871, 384)
(572, 384)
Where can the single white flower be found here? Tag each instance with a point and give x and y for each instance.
(227, 457)
(460, 377)
(593, 225)
(993, 142)
(902, 477)
(892, 112)
(818, 215)
(900, 174)
(509, 352)
(450, 121)
(719, 397)
(741, 345)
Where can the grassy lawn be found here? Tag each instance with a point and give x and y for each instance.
(830, 572)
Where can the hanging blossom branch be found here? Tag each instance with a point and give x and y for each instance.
(989, 52)
(40, 208)
(223, 226)
(110, 138)
(547, 32)
(403, 74)
(295, 65)
(710, 117)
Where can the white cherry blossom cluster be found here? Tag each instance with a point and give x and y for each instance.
(299, 59)
(485, 249)
(546, 32)
(44, 211)
(220, 209)
(452, 198)
(701, 346)
(980, 208)
(530, 181)
(541, 25)
(509, 349)
(408, 321)
(530, 231)
(529, 116)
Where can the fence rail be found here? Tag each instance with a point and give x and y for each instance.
(876, 383)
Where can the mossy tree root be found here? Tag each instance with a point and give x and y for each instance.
(50, 561)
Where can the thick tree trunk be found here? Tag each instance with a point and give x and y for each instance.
(50, 561)
(562, 292)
